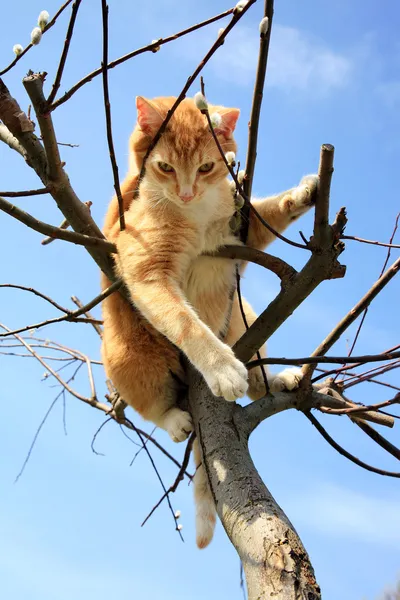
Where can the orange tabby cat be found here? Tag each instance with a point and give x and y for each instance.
(183, 210)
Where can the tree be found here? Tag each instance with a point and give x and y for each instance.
(271, 552)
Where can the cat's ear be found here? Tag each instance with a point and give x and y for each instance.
(228, 123)
(148, 117)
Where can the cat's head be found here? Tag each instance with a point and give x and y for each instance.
(186, 161)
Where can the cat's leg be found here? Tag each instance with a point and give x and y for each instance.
(280, 211)
(154, 281)
(287, 379)
(144, 367)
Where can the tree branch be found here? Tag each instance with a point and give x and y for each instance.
(55, 232)
(71, 316)
(256, 111)
(29, 46)
(60, 70)
(38, 192)
(345, 453)
(278, 266)
(107, 108)
(311, 360)
(354, 313)
(47, 164)
(273, 557)
(374, 242)
(149, 48)
(322, 265)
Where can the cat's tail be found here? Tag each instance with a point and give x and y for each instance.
(205, 507)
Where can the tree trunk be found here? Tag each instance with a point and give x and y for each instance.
(274, 560)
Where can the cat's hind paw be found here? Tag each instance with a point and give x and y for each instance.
(178, 423)
(287, 380)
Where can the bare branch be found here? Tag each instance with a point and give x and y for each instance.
(37, 293)
(60, 188)
(378, 438)
(87, 314)
(62, 234)
(29, 46)
(38, 192)
(149, 48)
(374, 242)
(354, 313)
(60, 70)
(311, 360)
(92, 402)
(107, 107)
(322, 265)
(48, 240)
(71, 316)
(278, 266)
(255, 113)
(344, 452)
(272, 404)
(178, 479)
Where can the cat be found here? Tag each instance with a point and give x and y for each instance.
(182, 297)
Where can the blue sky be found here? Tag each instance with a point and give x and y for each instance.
(72, 522)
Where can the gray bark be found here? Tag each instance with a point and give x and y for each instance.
(275, 562)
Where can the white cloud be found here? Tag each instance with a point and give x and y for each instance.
(297, 61)
(343, 513)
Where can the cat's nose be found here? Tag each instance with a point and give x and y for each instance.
(186, 195)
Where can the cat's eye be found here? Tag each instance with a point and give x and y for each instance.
(206, 168)
(165, 167)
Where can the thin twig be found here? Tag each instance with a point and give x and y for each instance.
(374, 242)
(149, 48)
(29, 46)
(50, 370)
(372, 373)
(62, 234)
(107, 108)
(255, 114)
(344, 452)
(311, 360)
(378, 438)
(48, 240)
(61, 65)
(38, 192)
(35, 437)
(364, 315)
(71, 316)
(96, 434)
(88, 314)
(345, 368)
(158, 475)
(362, 408)
(178, 479)
(352, 315)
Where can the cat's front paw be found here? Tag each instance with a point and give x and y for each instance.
(287, 380)
(301, 198)
(228, 378)
(178, 423)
